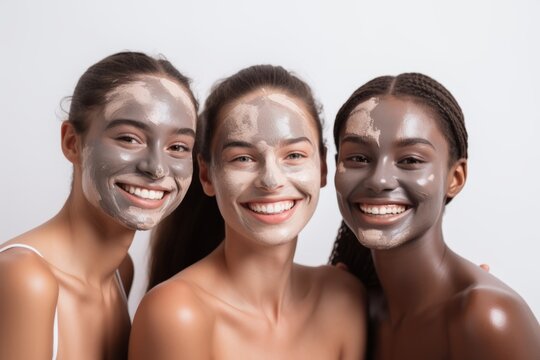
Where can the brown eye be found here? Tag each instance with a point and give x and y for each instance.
(295, 156)
(179, 148)
(411, 161)
(358, 159)
(128, 139)
(243, 159)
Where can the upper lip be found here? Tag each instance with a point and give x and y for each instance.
(382, 201)
(272, 200)
(146, 186)
(269, 201)
(166, 184)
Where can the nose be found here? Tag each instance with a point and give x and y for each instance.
(382, 176)
(153, 164)
(271, 176)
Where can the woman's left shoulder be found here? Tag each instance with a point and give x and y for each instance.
(495, 320)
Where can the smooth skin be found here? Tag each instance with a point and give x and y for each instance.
(247, 299)
(437, 304)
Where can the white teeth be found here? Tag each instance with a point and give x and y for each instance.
(271, 208)
(382, 209)
(143, 193)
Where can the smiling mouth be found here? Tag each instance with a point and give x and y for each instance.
(380, 210)
(143, 193)
(273, 208)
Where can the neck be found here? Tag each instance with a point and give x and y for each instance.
(261, 274)
(415, 275)
(94, 245)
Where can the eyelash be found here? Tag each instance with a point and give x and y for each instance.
(358, 158)
(182, 148)
(128, 139)
(242, 158)
(295, 156)
(411, 161)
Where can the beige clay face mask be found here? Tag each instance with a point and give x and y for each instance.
(266, 167)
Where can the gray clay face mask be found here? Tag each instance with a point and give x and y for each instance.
(266, 167)
(137, 152)
(392, 172)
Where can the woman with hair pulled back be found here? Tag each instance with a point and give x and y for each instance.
(129, 135)
(402, 156)
(263, 158)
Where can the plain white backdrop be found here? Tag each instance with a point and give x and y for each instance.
(486, 53)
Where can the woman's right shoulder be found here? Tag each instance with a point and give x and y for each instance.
(175, 296)
(171, 318)
(26, 279)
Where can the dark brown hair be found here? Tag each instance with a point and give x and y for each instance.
(115, 70)
(196, 227)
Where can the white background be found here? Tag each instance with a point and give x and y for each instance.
(486, 53)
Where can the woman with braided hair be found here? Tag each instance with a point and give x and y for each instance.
(402, 156)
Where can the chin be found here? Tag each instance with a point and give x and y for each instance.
(138, 224)
(271, 238)
(377, 240)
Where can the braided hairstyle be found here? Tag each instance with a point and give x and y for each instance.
(426, 92)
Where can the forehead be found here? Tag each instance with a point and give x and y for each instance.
(391, 118)
(145, 96)
(266, 115)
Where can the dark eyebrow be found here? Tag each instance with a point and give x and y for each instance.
(296, 140)
(120, 122)
(245, 144)
(413, 141)
(185, 131)
(144, 127)
(360, 140)
(237, 143)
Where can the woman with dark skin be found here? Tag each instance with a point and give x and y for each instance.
(129, 136)
(402, 156)
(262, 157)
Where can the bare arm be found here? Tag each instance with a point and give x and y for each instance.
(495, 325)
(171, 323)
(28, 293)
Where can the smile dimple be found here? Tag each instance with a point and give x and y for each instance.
(271, 208)
(389, 209)
(143, 193)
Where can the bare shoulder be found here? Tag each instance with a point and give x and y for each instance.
(339, 284)
(492, 322)
(175, 296)
(25, 275)
(29, 294)
(171, 319)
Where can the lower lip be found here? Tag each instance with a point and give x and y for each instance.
(273, 219)
(387, 219)
(144, 203)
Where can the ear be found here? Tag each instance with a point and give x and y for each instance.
(204, 177)
(324, 167)
(457, 176)
(71, 143)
